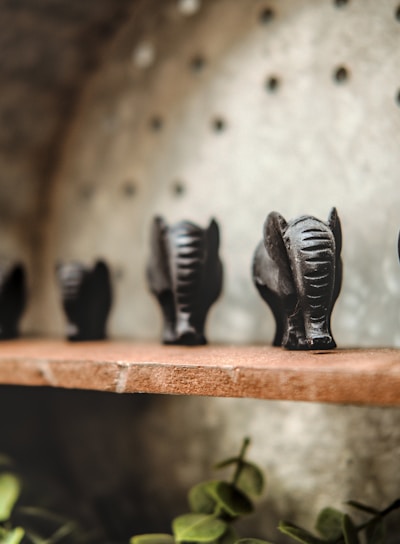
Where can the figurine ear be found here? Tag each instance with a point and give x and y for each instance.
(158, 268)
(16, 275)
(274, 228)
(213, 237)
(336, 228)
(100, 271)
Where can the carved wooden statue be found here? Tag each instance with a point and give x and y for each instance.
(12, 298)
(86, 298)
(297, 270)
(185, 274)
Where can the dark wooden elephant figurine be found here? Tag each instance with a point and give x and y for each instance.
(86, 298)
(185, 274)
(13, 294)
(297, 270)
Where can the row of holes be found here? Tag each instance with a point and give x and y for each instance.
(218, 124)
(190, 7)
(129, 190)
(144, 54)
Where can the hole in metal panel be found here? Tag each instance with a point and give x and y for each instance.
(266, 15)
(218, 124)
(156, 123)
(398, 98)
(197, 63)
(129, 189)
(178, 188)
(341, 3)
(341, 74)
(397, 13)
(272, 84)
(86, 192)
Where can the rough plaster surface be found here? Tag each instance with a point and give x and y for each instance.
(311, 144)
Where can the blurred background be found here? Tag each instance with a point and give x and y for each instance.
(112, 112)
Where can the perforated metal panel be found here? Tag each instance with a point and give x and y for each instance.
(231, 109)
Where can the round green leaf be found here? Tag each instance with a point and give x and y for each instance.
(329, 523)
(206, 497)
(299, 534)
(229, 537)
(13, 537)
(230, 499)
(200, 500)
(251, 479)
(10, 488)
(156, 538)
(198, 528)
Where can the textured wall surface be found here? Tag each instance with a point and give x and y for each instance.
(196, 109)
(198, 132)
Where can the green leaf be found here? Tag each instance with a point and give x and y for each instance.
(229, 537)
(206, 497)
(227, 462)
(198, 528)
(251, 479)
(230, 499)
(363, 507)
(156, 538)
(299, 534)
(329, 523)
(12, 537)
(349, 530)
(200, 500)
(252, 541)
(376, 532)
(10, 488)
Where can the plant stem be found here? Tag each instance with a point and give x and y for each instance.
(239, 466)
(393, 506)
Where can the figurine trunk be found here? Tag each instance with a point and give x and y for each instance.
(187, 263)
(313, 263)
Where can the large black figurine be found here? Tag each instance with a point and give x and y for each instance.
(297, 270)
(185, 274)
(12, 298)
(86, 298)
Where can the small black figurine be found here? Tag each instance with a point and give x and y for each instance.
(185, 274)
(12, 298)
(297, 270)
(86, 298)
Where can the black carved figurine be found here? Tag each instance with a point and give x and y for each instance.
(297, 270)
(185, 274)
(86, 298)
(12, 298)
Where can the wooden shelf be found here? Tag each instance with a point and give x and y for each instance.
(356, 376)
